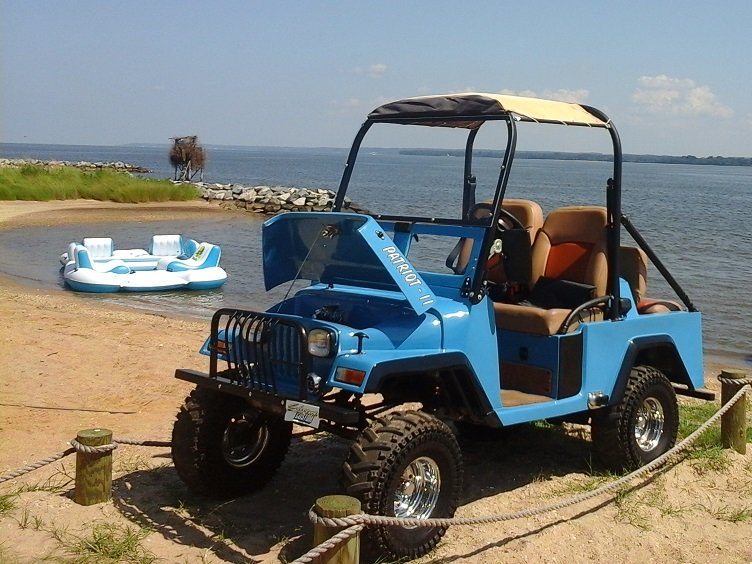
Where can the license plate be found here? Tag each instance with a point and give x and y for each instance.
(302, 413)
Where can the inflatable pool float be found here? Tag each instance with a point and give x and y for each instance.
(102, 250)
(94, 266)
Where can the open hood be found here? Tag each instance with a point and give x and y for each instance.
(339, 248)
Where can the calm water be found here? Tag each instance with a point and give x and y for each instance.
(695, 217)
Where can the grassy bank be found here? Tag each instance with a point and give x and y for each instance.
(39, 183)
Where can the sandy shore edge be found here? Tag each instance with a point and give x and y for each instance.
(17, 213)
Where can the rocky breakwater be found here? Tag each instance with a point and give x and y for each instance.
(117, 166)
(271, 200)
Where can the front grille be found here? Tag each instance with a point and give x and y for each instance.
(262, 352)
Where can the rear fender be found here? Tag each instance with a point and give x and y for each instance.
(658, 351)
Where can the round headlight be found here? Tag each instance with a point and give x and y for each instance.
(320, 342)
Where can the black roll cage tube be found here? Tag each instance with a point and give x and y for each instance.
(613, 201)
(643, 244)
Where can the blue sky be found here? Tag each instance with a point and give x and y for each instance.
(675, 77)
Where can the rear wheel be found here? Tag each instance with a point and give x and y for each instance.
(640, 428)
(223, 447)
(406, 464)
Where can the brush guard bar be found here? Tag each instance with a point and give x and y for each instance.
(259, 351)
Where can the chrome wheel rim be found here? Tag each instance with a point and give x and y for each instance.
(649, 424)
(244, 440)
(418, 490)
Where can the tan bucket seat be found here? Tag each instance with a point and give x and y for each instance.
(569, 258)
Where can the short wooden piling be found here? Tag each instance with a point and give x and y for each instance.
(734, 421)
(93, 471)
(337, 506)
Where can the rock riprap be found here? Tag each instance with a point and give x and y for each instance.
(118, 166)
(271, 200)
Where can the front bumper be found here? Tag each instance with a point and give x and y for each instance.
(226, 382)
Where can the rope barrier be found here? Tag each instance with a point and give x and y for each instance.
(33, 466)
(355, 523)
(734, 381)
(78, 447)
(126, 441)
(365, 519)
(99, 449)
(329, 544)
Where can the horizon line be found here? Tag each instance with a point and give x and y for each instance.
(331, 148)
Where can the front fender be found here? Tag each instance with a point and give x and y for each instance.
(378, 365)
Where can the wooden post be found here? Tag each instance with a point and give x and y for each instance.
(93, 471)
(337, 506)
(734, 421)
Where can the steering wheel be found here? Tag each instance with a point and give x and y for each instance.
(506, 219)
(478, 212)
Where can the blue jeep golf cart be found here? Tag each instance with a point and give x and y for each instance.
(527, 316)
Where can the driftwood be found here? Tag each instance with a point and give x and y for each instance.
(188, 157)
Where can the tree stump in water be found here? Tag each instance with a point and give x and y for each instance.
(188, 157)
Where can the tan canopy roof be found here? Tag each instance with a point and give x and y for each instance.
(448, 110)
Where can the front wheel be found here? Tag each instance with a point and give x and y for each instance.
(407, 464)
(223, 447)
(640, 428)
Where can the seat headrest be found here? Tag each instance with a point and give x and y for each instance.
(580, 224)
(166, 245)
(633, 267)
(99, 247)
(529, 213)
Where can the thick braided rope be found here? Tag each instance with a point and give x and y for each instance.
(606, 488)
(126, 441)
(78, 447)
(44, 462)
(98, 449)
(330, 543)
(735, 381)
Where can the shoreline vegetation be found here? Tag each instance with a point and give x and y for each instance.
(566, 156)
(61, 180)
(94, 181)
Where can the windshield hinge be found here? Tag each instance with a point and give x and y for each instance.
(465, 290)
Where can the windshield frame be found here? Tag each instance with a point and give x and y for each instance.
(473, 123)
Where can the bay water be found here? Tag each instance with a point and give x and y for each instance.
(696, 218)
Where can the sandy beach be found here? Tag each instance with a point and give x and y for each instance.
(70, 364)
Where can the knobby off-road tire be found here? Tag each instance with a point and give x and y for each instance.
(224, 448)
(642, 426)
(407, 464)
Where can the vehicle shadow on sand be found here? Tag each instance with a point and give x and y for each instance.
(498, 461)
(252, 526)
(157, 499)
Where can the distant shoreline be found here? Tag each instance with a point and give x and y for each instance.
(434, 152)
(565, 156)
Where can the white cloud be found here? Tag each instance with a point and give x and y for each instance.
(560, 94)
(352, 103)
(376, 70)
(677, 96)
(355, 106)
(665, 82)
